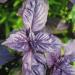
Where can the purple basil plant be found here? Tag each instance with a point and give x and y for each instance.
(40, 49)
(60, 62)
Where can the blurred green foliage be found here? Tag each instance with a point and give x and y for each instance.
(58, 8)
(8, 16)
(63, 10)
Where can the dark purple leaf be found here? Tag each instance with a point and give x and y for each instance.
(5, 56)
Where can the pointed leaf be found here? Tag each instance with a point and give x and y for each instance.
(35, 14)
(17, 41)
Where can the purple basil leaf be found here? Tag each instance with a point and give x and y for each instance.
(40, 58)
(70, 47)
(31, 66)
(42, 42)
(27, 63)
(52, 57)
(5, 56)
(60, 64)
(35, 14)
(31, 36)
(17, 41)
(56, 72)
(39, 70)
(45, 42)
(70, 50)
(65, 70)
(28, 13)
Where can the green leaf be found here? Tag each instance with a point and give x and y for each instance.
(16, 3)
(15, 71)
(2, 20)
(72, 17)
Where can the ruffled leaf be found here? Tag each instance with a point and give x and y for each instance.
(45, 42)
